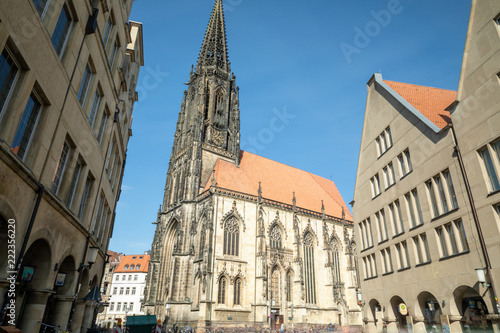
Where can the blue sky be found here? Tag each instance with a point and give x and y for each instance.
(309, 60)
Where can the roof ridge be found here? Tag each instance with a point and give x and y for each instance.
(335, 187)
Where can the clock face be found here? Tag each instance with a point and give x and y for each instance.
(217, 138)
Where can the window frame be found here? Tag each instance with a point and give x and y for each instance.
(27, 134)
(60, 52)
(13, 81)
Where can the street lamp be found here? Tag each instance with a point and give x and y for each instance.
(481, 277)
(91, 258)
(127, 309)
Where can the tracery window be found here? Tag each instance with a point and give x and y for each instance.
(202, 241)
(335, 261)
(231, 237)
(275, 238)
(237, 292)
(289, 287)
(310, 276)
(275, 286)
(221, 297)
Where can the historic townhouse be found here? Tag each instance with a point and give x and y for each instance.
(68, 71)
(241, 239)
(426, 202)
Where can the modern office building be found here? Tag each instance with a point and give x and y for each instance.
(426, 202)
(68, 72)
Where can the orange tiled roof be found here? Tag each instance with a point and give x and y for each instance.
(135, 259)
(279, 181)
(431, 102)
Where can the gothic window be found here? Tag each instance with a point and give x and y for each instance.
(275, 287)
(237, 292)
(275, 238)
(231, 237)
(289, 287)
(197, 292)
(335, 257)
(202, 241)
(221, 297)
(309, 269)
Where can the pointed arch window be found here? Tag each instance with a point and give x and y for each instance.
(231, 237)
(221, 296)
(276, 286)
(310, 276)
(275, 237)
(202, 241)
(289, 287)
(237, 292)
(335, 257)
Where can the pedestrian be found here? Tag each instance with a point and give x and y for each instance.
(282, 329)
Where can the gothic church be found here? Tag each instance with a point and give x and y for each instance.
(241, 239)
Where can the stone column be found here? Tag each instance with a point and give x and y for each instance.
(34, 308)
(62, 308)
(76, 322)
(455, 326)
(419, 325)
(87, 317)
(370, 326)
(495, 322)
(392, 325)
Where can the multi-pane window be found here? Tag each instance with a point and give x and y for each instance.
(102, 126)
(8, 75)
(85, 196)
(452, 238)
(237, 292)
(118, 306)
(127, 291)
(403, 255)
(136, 277)
(386, 260)
(309, 269)
(413, 208)
(112, 306)
(74, 183)
(276, 287)
(231, 237)
(121, 290)
(112, 56)
(84, 86)
(489, 167)
(441, 193)
(382, 226)
(384, 141)
(40, 6)
(115, 289)
(375, 182)
(130, 277)
(61, 32)
(396, 217)
(221, 296)
(107, 31)
(124, 277)
(370, 266)
(117, 278)
(389, 175)
(275, 238)
(404, 160)
(26, 126)
(366, 233)
(61, 168)
(133, 290)
(289, 287)
(422, 254)
(95, 108)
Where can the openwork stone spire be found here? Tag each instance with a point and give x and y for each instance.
(214, 49)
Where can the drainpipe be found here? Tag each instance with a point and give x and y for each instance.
(476, 219)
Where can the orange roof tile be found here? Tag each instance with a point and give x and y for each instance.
(431, 102)
(278, 182)
(135, 259)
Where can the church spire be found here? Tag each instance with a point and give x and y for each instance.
(214, 49)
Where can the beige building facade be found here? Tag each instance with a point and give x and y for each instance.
(426, 197)
(242, 240)
(67, 90)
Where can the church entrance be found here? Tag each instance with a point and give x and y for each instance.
(276, 321)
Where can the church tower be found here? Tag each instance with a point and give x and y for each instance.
(208, 126)
(240, 236)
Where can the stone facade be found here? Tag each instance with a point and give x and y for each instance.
(426, 258)
(226, 257)
(69, 71)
